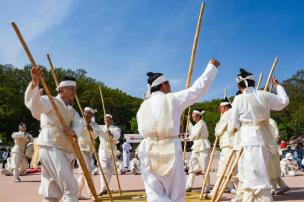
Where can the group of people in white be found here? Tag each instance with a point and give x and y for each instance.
(245, 125)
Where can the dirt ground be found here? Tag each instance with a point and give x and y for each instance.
(132, 186)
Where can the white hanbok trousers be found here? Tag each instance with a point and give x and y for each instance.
(81, 179)
(108, 169)
(256, 182)
(126, 159)
(57, 178)
(198, 163)
(222, 166)
(169, 188)
(18, 164)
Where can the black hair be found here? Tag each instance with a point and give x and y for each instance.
(68, 78)
(243, 73)
(152, 77)
(22, 124)
(238, 92)
(227, 100)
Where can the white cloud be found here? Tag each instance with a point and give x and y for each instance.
(33, 18)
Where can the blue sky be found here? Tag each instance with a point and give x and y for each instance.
(118, 41)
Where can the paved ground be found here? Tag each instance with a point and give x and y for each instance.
(26, 191)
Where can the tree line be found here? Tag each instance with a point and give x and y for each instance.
(123, 107)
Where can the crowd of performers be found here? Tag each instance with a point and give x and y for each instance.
(245, 126)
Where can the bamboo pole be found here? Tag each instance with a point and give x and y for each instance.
(59, 115)
(187, 129)
(229, 175)
(223, 176)
(94, 150)
(225, 93)
(193, 53)
(207, 171)
(89, 131)
(110, 141)
(259, 81)
(270, 73)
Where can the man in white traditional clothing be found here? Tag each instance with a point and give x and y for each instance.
(86, 147)
(126, 150)
(56, 152)
(288, 165)
(105, 153)
(226, 142)
(21, 139)
(274, 169)
(250, 113)
(200, 149)
(158, 120)
(135, 165)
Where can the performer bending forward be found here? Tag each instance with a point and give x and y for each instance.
(159, 122)
(251, 112)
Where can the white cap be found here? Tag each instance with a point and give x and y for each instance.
(109, 115)
(89, 109)
(198, 112)
(289, 156)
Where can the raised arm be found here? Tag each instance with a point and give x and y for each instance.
(33, 101)
(279, 101)
(186, 98)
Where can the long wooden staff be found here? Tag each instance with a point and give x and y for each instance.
(193, 53)
(89, 131)
(207, 171)
(217, 198)
(110, 141)
(187, 129)
(59, 115)
(240, 152)
(271, 73)
(223, 176)
(259, 81)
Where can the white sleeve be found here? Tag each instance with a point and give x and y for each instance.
(139, 124)
(234, 116)
(116, 133)
(205, 131)
(17, 134)
(78, 124)
(279, 101)
(221, 125)
(96, 130)
(35, 103)
(189, 96)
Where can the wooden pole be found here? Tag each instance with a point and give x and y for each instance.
(110, 141)
(225, 93)
(207, 171)
(90, 132)
(193, 53)
(259, 82)
(51, 99)
(187, 129)
(229, 175)
(223, 175)
(94, 150)
(270, 73)
(52, 70)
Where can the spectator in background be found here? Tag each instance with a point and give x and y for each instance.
(288, 165)
(283, 144)
(126, 147)
(135, 165)
(286, 151)
(5, 156)
(298, 155)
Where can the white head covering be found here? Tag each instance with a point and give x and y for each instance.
(89, 109)
(161, 79)
(240, 79)
(289, 156)
(66, 83)
(198, 112)
(109, 115)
